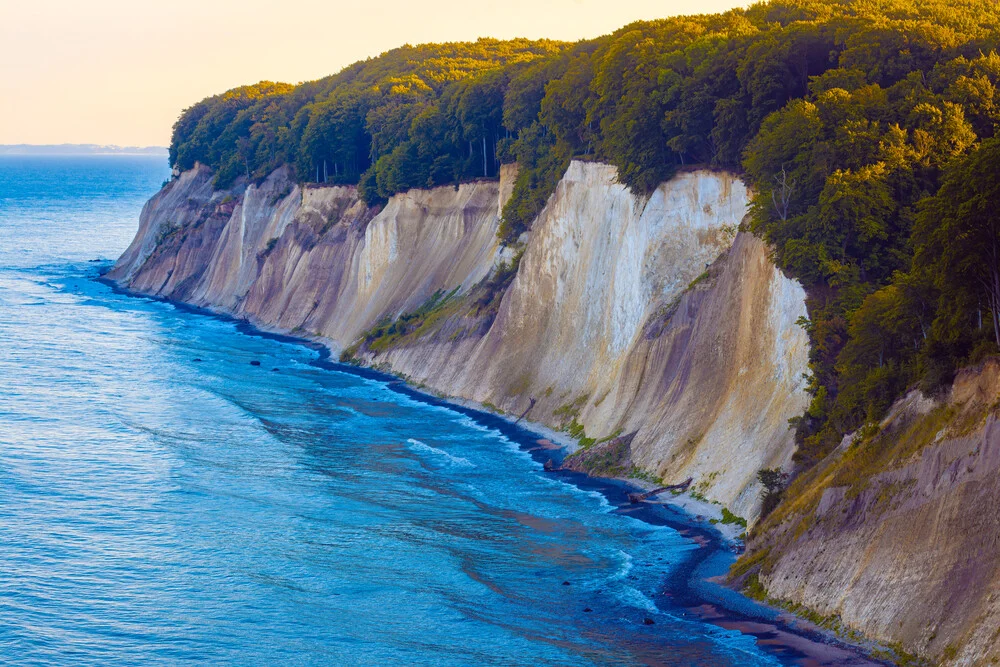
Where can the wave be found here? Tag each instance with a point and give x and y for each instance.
(456, 461)
(471, 423)
(625, 592)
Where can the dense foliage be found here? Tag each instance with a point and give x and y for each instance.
(413, 117)
(865, 128)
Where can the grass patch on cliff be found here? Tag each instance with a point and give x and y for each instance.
(730, 518)
(873, 451)
(577, 430)
(481, 304)
(750, 564)
(568, 412)
(389, 333)
(694, 283)
(755, 589)
(881, 450)
(897, 654)
(610, 456)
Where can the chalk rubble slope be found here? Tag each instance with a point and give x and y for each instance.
(901, 538)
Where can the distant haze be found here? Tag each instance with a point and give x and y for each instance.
(80, 149)
(120, 71)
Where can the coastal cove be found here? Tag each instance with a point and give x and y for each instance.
(695, 586)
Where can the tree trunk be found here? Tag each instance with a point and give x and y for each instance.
(995, 298)
(783, 198)
(484, 157)
(996, 320)
(994, 287)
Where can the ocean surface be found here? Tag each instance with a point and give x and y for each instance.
(163, 501)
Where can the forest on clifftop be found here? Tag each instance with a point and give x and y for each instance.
(866, 130)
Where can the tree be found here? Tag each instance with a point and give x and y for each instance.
(958, 237)
(774, 481)
(479, 109)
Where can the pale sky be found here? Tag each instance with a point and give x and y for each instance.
(120, 71)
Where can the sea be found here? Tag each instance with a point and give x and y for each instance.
(164, 501)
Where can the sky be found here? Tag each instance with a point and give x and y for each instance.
(121, 71)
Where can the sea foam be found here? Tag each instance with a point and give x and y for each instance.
(452, 460)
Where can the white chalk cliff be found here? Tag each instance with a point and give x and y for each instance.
(627, 315)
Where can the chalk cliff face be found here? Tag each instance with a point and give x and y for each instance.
(315, 261)
(600, 326)
(651, 318)
(897, 533)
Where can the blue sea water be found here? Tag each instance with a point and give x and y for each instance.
(156, 509)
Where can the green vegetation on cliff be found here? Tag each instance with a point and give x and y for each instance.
(864, 128)
(416, 116)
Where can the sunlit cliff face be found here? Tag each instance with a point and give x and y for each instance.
(627, 314)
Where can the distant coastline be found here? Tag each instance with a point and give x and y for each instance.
(79, 149)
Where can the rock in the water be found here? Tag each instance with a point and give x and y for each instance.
(648, 621)
(196, 359)
(255, 363)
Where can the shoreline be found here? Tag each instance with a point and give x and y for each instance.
(696, 586)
